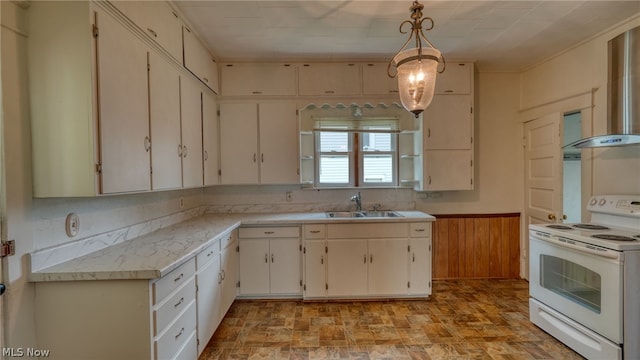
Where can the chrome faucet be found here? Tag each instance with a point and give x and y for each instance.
(358, 200)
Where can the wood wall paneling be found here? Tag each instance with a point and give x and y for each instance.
(476, 246)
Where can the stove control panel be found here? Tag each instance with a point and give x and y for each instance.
(625, 205)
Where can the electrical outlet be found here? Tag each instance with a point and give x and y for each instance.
(288, 196)
(72, 225)
(181, 202)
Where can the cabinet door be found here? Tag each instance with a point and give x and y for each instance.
(191, 128)
(329, 79)
(448, 123)
(278, 143)
(254, 266)
(285, 266)
(388, 271)
(123, 109)
(208, 301)
(210, 138)
(420, 266)
(448, 170)
(239, 143)
(198, 60)
(457, 78)
(315, 268)
(376, 81)
(258, 79)
(164, 107)
(347, 267)
(229, 276)
(163, 25)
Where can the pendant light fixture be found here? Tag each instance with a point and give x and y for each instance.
(416, 68)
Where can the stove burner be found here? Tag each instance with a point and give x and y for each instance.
(590, 227)
(612, 237)
(559, 227)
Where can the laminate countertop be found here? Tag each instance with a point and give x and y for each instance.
(155, 254)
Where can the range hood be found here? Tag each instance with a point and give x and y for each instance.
(623, 94)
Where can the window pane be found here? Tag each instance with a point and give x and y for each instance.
(376, 142)
(334, 141)
(378, 168)
(334, 169)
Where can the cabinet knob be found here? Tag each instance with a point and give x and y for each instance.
(185, 151)
(205, 79)
(551, 217)
(206, 155)
(147, 143)
(179, 150)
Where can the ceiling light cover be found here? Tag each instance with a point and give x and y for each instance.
(416, 68)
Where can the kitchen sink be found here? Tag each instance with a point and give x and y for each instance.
(362, 214)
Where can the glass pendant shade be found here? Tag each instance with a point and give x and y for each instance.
(416, 77)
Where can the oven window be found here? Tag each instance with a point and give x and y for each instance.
(572, 281)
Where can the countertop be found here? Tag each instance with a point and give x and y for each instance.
(154, 255)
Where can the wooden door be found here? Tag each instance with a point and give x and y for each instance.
(347, 267)
(315, 262)
(191, 130)
(123, 108)
(285, 266)
(543, 172)
(388, 267)
(278, 143)
(254, 266)
(164, 107)
(239, 143)
(210, 138)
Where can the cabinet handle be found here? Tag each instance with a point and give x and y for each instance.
(147, 143)
(224, 274)
(219, 278)
(413, 257)
(152, 32)
(210, 253)
(314, 231)
(180, 333)
(271, 257)
(393, 91)
(329, 91)
(206, 155)
(185, 151)
(179, 150)
(321, 260)
(429, 179)
(262, 157)
(179, 277)
(428, 133)
(365, 258)
(256, 92)
(205, 79)
(179, 302)
(268, 232)
(266, 258)
(254, 157)
(418, 230)
(448, 91)
(371, 259)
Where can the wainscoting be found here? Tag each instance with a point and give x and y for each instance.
(476, 246)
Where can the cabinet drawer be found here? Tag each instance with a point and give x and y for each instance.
(269, 232)
(367, 231)
(172, 306)
(226, 240)
(420, 229)
(166, 284)
(208, 254)
(167, 344)
(189, 349)
(314, 231)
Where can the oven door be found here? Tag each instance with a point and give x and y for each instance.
(582, 283)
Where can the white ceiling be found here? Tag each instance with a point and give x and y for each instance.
(499, 35)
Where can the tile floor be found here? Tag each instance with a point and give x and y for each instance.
(463, 319)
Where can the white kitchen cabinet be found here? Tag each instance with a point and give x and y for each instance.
(191, 131)
(387, 267)
(376, 81)
(209, 293)
(146, 319)
(448, 170)
(347, 267)
(210, 153)
(164, 107)
(270, 261)
(230, 275)
(158, 20)
(329, 79)
(448, 123)
(315, 268)
(420, 265)
(456, 79)
(242, 79)
(198, 60)
(257, 142)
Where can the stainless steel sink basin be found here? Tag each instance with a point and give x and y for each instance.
(362, 214)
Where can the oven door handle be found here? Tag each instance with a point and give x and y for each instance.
(586, 248)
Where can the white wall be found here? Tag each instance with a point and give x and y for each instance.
(39, 223)
(575, 71)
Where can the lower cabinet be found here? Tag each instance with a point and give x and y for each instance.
(270, 261)
(367, 260)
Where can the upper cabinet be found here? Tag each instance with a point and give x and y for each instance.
(158, 20)
(198, 60)
(329, 79)
(376, 81)
(258, 79)
(456, 79)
